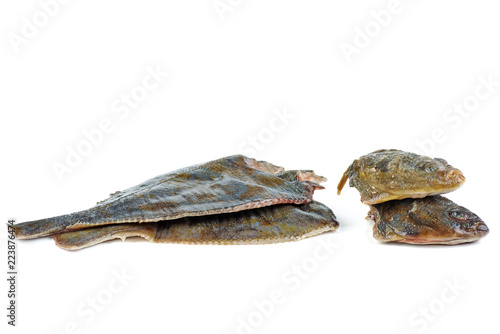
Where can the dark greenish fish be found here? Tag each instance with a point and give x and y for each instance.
(429, 220)
(277, 223)
(386, 175)
(226, 185)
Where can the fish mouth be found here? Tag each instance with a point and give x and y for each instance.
(455, 176)
(476, 230)
(482, 230)
(453, 237)
(455, 240)
(459, 237)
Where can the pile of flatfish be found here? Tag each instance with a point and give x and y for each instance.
(233, 200)
(239, 200)
(403, 191)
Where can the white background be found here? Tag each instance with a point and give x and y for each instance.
(229, 73)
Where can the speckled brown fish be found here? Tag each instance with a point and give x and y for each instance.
(226, 185)
(386, 175)
(277, 223)
(429, 220)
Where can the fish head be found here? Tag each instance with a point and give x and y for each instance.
(435, 175)
(463, 224)
(429, 220)
(393, 174)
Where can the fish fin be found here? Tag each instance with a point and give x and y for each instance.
(264, 166)
(370, 198)
(382, 231)
(311, 178)
(309, 175)
(343, 180)
(79, 239)
(304, 176)
(110, 195)
(315, 185)
(40, 228)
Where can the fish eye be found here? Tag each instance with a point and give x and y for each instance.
(460, 215)
(430, 169)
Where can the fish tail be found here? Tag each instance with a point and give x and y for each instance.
(343, 180)
(42, 227)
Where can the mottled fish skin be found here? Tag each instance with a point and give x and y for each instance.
(277, 223)
(229, 184)
(386, 175)
(429, 220)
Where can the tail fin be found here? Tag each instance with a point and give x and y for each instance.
(45, 227)
(79, 239)
(343, 180)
